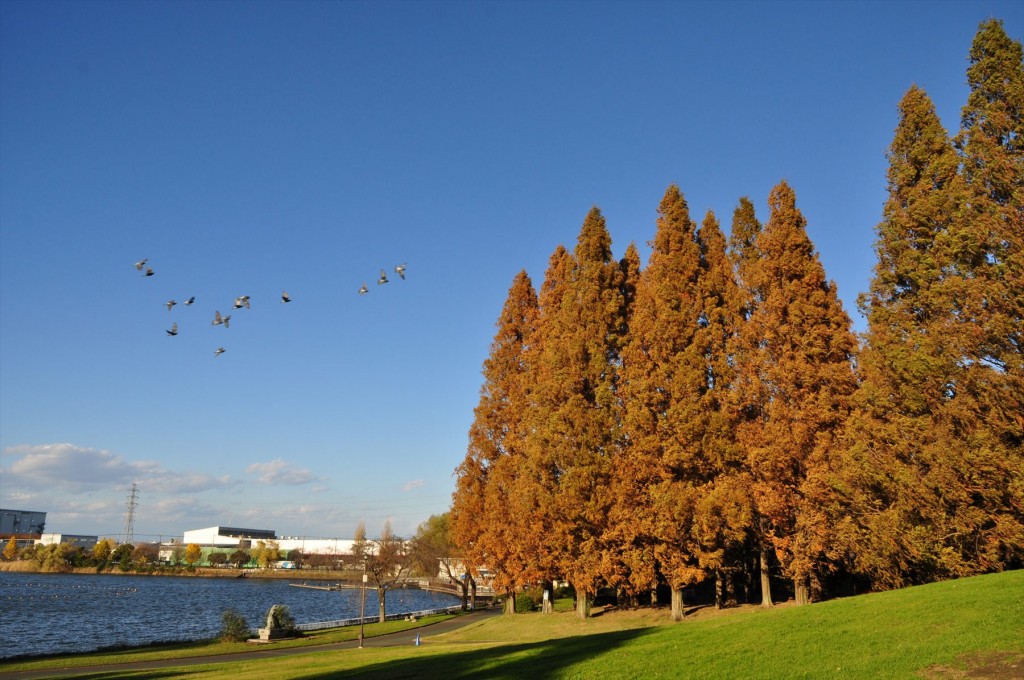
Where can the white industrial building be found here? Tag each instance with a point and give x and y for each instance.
(236, 537)
(233, 537)
(84, 542)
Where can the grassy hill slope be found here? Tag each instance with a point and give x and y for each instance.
(967, 628)
(939, 630)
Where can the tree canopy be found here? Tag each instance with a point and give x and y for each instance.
(711, 414)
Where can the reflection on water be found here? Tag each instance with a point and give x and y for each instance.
(62, 613)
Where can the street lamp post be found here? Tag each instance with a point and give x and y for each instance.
(362, 608)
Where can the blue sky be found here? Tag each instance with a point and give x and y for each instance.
(252, 148)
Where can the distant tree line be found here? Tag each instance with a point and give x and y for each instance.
(711, 419)
(145, 557)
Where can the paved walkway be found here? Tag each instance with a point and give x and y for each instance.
(401, 639)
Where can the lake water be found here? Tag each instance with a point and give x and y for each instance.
(63, 613)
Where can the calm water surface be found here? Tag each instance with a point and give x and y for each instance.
(62, 613)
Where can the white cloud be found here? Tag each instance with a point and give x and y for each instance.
(414, 484)
(281, 472)
(67, 464)
(77, 469)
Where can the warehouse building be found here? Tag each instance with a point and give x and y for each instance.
(22, 523)
(84, 542)
(236, 537)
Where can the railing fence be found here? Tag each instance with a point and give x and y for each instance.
(339, 623)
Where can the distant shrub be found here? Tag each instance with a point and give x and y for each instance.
(234, 627)
(525, 602)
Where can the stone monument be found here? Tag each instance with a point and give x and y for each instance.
(274, 629)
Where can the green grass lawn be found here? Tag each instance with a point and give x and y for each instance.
(185, 650)
(934, 631)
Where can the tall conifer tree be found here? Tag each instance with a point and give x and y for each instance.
(990, 299)
(632, 567)
(723, 513)
(575, 404)
(744, 254)
(991, 142)
(797, 348)
(990, 296)
(486, 513)
(894, 438)
(935, 442)
(661, 468)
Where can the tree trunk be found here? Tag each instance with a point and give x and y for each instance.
(766, 584)
(510, 602)
(381, 595)
(719, 589)
(800, 590)
(548, 603)
(464, 584)
(583, 602)
(747, 579)
(654, 595)
(817, 588)
(677, 604)
(472, 593)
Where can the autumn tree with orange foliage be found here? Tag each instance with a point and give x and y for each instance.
(631, 567)
(744, 255)
(487, 517)
(575, 415)
(661, 469)
(796, 377)
(723, 514)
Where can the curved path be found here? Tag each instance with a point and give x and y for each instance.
(400, 639)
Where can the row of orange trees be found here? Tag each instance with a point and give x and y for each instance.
(712, 414)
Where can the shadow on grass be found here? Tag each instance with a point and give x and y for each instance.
(534, 660)
(135, 675)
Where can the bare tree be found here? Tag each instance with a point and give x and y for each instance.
(385, 560)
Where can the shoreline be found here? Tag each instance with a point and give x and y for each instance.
(30, 567)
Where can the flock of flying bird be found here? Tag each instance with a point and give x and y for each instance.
(242, 301)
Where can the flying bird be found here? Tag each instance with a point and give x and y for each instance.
(218, 319)
(188, 302)
(400, 269)
(169, 304)
(141, 263)
(220, 350)
(285, 297)
(149, 271)
(383, 278)
(174, 329)
(242, 301)
(363, 290)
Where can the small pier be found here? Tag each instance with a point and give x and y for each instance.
(336, 586)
